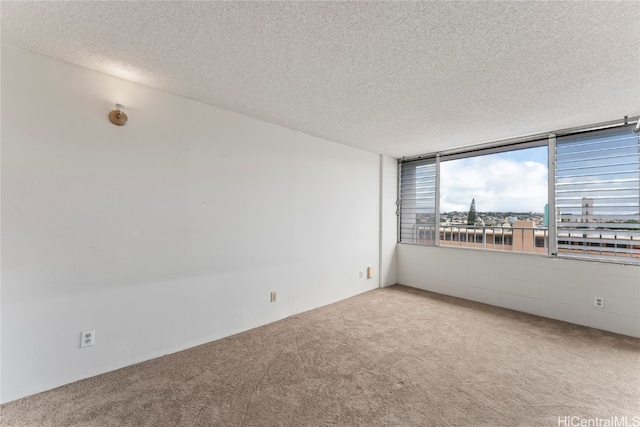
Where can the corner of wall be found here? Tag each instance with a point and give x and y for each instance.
(388, 221)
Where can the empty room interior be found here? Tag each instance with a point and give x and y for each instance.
(320, 213)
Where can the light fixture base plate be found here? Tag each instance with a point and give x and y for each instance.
(118, 117)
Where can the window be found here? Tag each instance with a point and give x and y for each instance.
(496, 196)
(598, 194)
(503, 240)
(417, 207)
(499, 191)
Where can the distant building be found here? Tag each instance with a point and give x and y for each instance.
(587, 209)
(524, 236)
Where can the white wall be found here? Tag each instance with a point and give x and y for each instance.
(388, 220)
(551, 287)
(166, 233)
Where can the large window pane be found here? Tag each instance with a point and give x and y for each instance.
(496, 201)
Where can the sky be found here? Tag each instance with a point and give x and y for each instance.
(514, 181)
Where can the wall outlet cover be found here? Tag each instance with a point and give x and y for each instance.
(87, 338)
(598, 302)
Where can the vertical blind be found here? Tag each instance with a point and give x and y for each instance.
(418, 202)
(598, 194)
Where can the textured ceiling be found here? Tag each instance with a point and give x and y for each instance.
(399, 78)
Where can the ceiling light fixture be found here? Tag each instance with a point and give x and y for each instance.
(117, 116)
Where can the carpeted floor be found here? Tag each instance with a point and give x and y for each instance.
(392, 357)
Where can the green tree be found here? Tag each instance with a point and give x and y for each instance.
(472, 217)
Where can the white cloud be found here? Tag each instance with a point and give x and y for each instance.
(497, 184)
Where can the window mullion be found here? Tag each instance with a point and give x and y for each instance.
(437, 203)
(551, 211)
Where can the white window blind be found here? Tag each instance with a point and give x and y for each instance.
(598, 194)
(418, 202)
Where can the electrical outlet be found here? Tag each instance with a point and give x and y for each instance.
(88, 338)
(598, 302)
(273, 297)
(361, 275)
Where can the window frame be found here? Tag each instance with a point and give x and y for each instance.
(546, 139)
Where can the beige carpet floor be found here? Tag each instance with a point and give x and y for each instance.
(393, 357)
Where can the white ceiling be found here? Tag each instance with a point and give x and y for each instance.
(398, 78)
